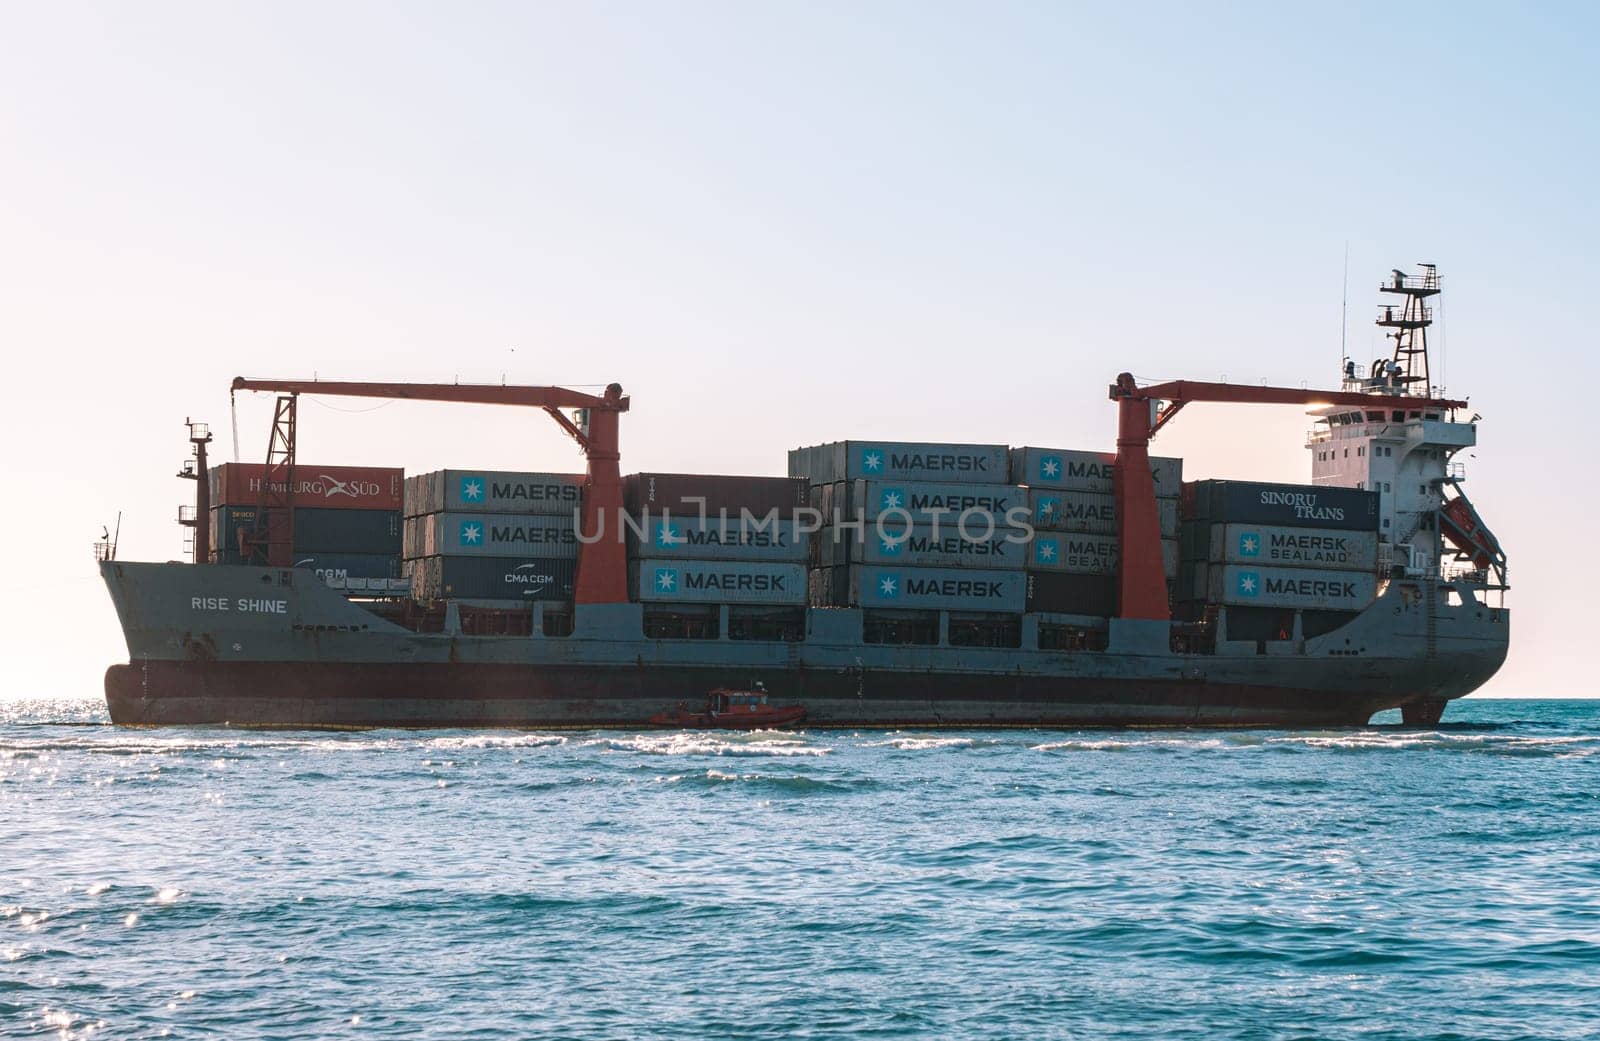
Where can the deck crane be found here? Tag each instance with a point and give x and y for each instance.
(602, 564)
(1141, 413)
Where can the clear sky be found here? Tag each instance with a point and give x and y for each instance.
(775, 225)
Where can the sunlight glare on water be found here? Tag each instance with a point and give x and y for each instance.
(1380, 882)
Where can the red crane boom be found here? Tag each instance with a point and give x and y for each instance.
(1141, 413)
(602, 565)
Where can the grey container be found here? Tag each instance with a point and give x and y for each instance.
(1325, 548)
(1087, 554)
(1086, 471)
(937, 589)
(537, 536)
(922, 503)
(1247, 585)
(1060, 510)
(758, 540)
(980, 546)
(718, 582)
(1285, 505)
(493, 491)
(902, 461)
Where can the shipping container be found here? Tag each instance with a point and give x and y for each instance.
(695, 495)
(530, 579)
(937, 589)
(1285, 505)
(1326, 548)
(316, 529)
(493, 491)
(1086, 471)
(1062, 592)
(331, 487)
(1251, 586)
(1094, 512)
(350, 565)
(900, 461)
(536, 536)
(924, 503)
(757, 540)
(1088, 554)
(828, 586)
(980, 545)
(718, 582)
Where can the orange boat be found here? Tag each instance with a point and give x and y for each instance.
(732, 710)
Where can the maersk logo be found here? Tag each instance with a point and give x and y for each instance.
(1249, 584)
(471, 533)
(1045, 551)
(667, 535)
(472, 488)
(892, 499)
(666, 580)
(1249, 544)
(1049, 467)
(892, 547)
(888, 586)
(1049, 508)
(872, 460)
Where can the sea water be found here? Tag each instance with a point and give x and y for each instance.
(1374, 883)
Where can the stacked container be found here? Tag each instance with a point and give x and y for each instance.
(1279, 546)
(915, 526)
(492, 535)
(706, 539)
(347, 519)
(1072, 561)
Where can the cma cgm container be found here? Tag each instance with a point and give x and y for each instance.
(1061, 592)
(1247, 585)
(1057, 510)
(317, 529)
(691, 495)
(350, 565)
(493, 491)
(869, 500)
(937, 589)
(1327, 548)
(1086, 471)
(537, 536)
(693, 538)
(1284, 505)
(493, 578)
(1087, 554)
(718, 582)
(981, 546)
(900, 461)
(333, 487)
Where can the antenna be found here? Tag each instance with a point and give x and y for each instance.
(1344, 308)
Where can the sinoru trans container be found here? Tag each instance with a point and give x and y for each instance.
(1284, 505)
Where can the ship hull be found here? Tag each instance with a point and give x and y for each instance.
(303, 656)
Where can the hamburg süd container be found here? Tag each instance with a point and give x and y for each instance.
(900, 461)
(1086, 471)
(718, 582)
(1247, 585)
(493, 578)
(755, 539)
(332, 487)
(536, 536)
(1326, 548)
(980, 546)
(937, 589)
(1087, 554)
(1285, 505)
(493, 491)
(1059, 510)
(694, 495)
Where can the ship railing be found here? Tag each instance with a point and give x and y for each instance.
(1430, 280)
(104, 551)
(1456, 471)
(1395, 313)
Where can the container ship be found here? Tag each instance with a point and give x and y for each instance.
(876, 583)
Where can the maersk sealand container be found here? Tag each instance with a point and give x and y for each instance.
(937, 589)
(757, 540)
(1086, 471)
(1087, 554)
(718, 582)
(1061, 510)
(493, 491)
(1326, 548)
(900, 461)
